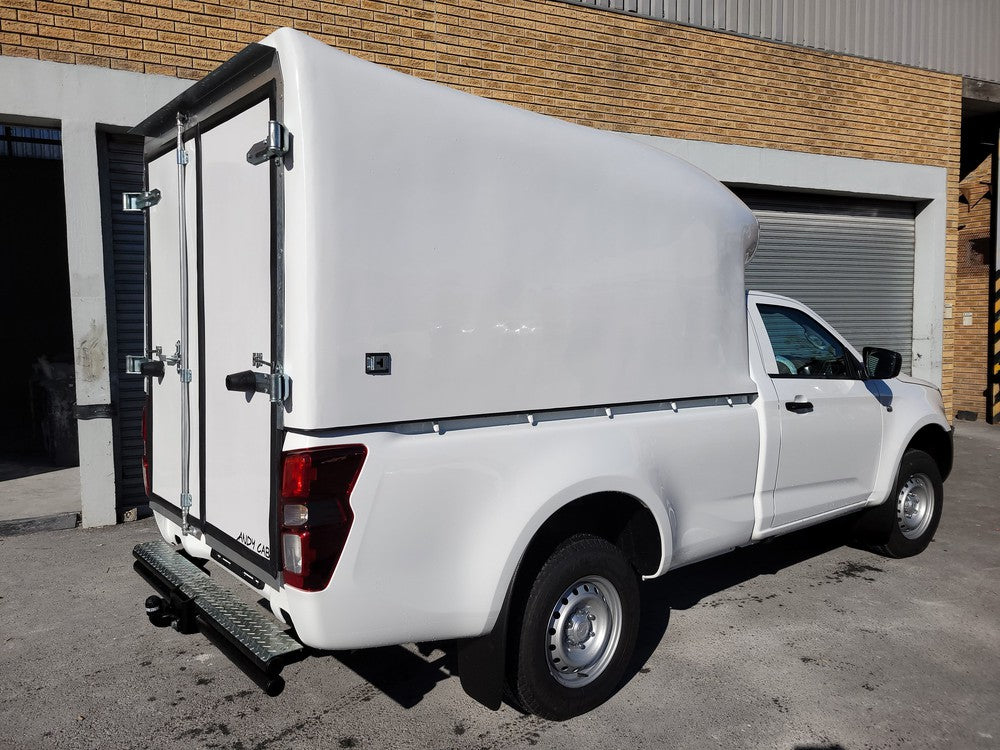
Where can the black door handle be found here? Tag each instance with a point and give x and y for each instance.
(248, 382)
(152, 369)
(799, 406)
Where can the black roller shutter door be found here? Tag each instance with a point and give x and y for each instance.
(121, 167)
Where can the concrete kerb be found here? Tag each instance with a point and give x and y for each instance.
(54, 522)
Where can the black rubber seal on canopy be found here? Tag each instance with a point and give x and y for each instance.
(251, 61)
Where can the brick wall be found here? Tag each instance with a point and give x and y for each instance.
(602, 69)
(971, 309)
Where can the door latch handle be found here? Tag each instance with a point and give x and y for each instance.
(153, 366)
(278, 387)
(799, 406)
(152, 369)
(248, 382)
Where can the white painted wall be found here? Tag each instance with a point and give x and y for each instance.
(793, 170)
(80, 98)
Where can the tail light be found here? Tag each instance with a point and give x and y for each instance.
(314, 511)
(145, 454)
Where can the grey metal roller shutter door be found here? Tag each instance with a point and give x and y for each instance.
(121, 167)
(850, 260)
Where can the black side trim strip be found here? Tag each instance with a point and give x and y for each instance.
(230, 565)
(171, 511)
(247, 560)
(276, 188)
(254, 563)
(147, 289)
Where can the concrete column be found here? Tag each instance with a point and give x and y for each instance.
(85, 247)
(80, 98)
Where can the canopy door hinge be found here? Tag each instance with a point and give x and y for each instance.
(277, 144)
(135, 202)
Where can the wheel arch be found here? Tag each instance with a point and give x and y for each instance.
(620, 517)
(936, 442)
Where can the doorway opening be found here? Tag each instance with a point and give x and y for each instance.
(38, 432)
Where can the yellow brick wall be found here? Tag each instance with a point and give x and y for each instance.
(602, 69)
(972, 292)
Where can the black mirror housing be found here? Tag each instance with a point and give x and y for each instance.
(881, 364)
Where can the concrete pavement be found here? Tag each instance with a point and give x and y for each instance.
(799, 643)
(45, 499)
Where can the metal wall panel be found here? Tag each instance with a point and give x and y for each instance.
(850, 260)
(945, 35)
(19, 141)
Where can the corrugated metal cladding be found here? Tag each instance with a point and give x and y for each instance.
(122, 171)
(849, 260)
(952, 36)
(24, 142)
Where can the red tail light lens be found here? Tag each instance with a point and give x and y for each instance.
(297, 476)
(145, 454)
(315, 511)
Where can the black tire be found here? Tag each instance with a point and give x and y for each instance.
(588, 584)
(903, 525)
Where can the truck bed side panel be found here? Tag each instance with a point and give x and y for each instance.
(441, 520)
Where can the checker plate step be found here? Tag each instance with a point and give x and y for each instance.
(259, 635)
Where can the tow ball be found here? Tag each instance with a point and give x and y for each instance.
(175, 612)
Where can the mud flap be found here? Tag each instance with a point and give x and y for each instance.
(482, 661)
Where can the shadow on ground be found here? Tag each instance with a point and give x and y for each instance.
(403, 676)
(406, 677)
(17, 466)
(686, 587)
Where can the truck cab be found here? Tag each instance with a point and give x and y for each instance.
(832, 432)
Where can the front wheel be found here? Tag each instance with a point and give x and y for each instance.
(905, 523)
(577, 631)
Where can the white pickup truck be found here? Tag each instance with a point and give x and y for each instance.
(423, 366)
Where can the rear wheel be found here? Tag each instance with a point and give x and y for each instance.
(905, 523)
(577, 631)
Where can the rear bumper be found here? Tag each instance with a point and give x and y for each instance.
(253, 640)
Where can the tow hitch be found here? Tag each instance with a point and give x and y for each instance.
(190, 602)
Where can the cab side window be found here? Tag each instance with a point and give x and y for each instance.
(802, 347)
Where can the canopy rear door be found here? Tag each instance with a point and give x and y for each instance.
(164, 416)
(237, 309)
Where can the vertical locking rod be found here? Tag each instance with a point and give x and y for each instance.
(183, 367)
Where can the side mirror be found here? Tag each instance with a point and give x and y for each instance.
(881, 364)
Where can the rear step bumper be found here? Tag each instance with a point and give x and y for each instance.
(250, 638)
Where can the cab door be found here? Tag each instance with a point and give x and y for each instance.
(829, 418)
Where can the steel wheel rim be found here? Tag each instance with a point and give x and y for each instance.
(584, 629)
(915, 506)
